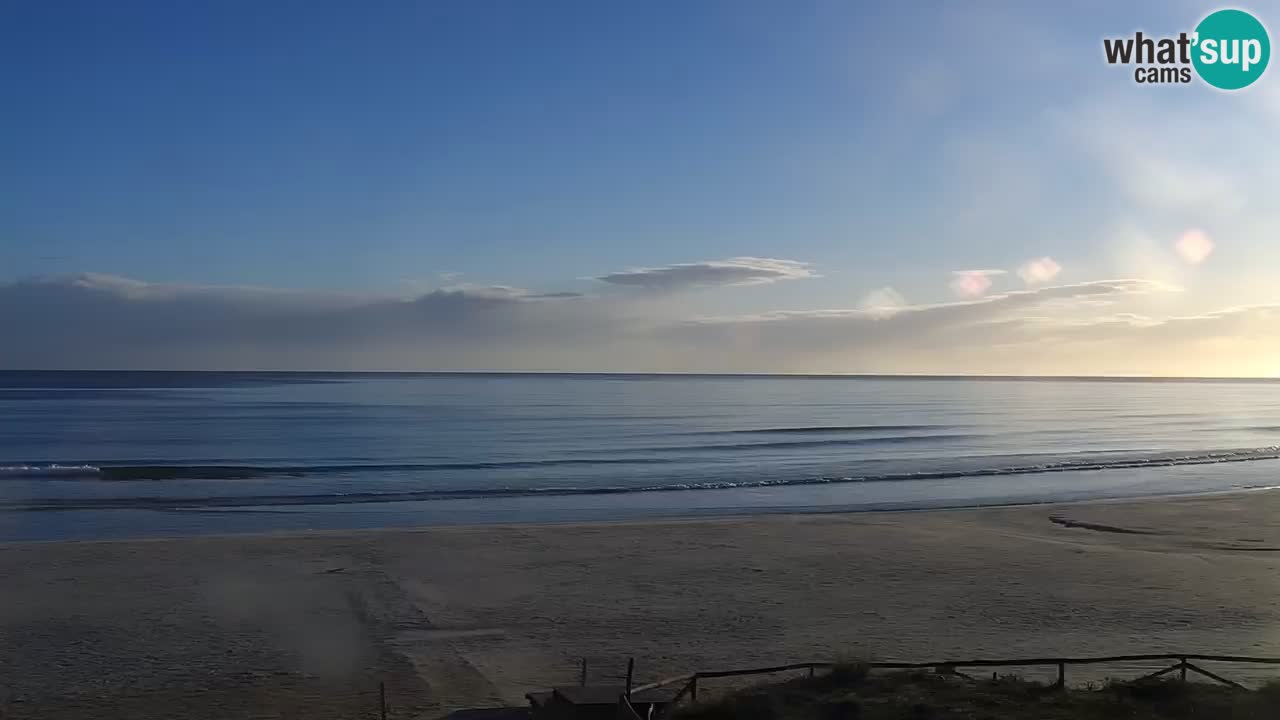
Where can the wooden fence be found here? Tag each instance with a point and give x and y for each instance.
(1181, 664)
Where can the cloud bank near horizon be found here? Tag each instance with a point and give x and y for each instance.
(1099, 327)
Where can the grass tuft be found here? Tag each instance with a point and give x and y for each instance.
(851, 692)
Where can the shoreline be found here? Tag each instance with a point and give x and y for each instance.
(730, 514)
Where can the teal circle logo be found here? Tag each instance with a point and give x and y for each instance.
(1231, 49)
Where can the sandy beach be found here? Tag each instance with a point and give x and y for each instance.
(308, 625)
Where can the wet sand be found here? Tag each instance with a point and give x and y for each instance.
(308, 625)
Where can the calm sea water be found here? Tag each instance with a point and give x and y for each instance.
(110, 454)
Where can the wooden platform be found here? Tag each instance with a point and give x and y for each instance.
(593, 702)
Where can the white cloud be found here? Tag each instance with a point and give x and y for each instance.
(711, 273)
(980, 309)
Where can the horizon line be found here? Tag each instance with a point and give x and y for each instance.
(676, 374)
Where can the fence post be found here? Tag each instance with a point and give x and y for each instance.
(583, 679)
(1062, 675)
(631, 666)
(1182, 667)
(693, 689)
(382, 700)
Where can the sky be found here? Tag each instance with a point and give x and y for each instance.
(800, 187)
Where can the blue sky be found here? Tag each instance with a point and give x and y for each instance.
(391, 149)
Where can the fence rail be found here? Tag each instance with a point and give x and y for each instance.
(1181, 664)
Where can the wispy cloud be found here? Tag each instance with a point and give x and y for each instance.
(980, 310)
(1054, 329)
(712, 273)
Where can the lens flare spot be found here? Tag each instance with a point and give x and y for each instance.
(1039, 270)
(1194, 246)
(972, 283)
(883, 302)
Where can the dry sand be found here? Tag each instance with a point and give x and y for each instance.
(307, 625)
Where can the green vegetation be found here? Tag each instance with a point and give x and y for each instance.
(852, 693)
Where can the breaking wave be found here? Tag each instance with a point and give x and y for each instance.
(828, 429)
(205, 472)
(249, 472)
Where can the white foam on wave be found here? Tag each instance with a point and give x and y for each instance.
(48, 470)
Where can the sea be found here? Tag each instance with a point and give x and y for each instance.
(92, 455)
